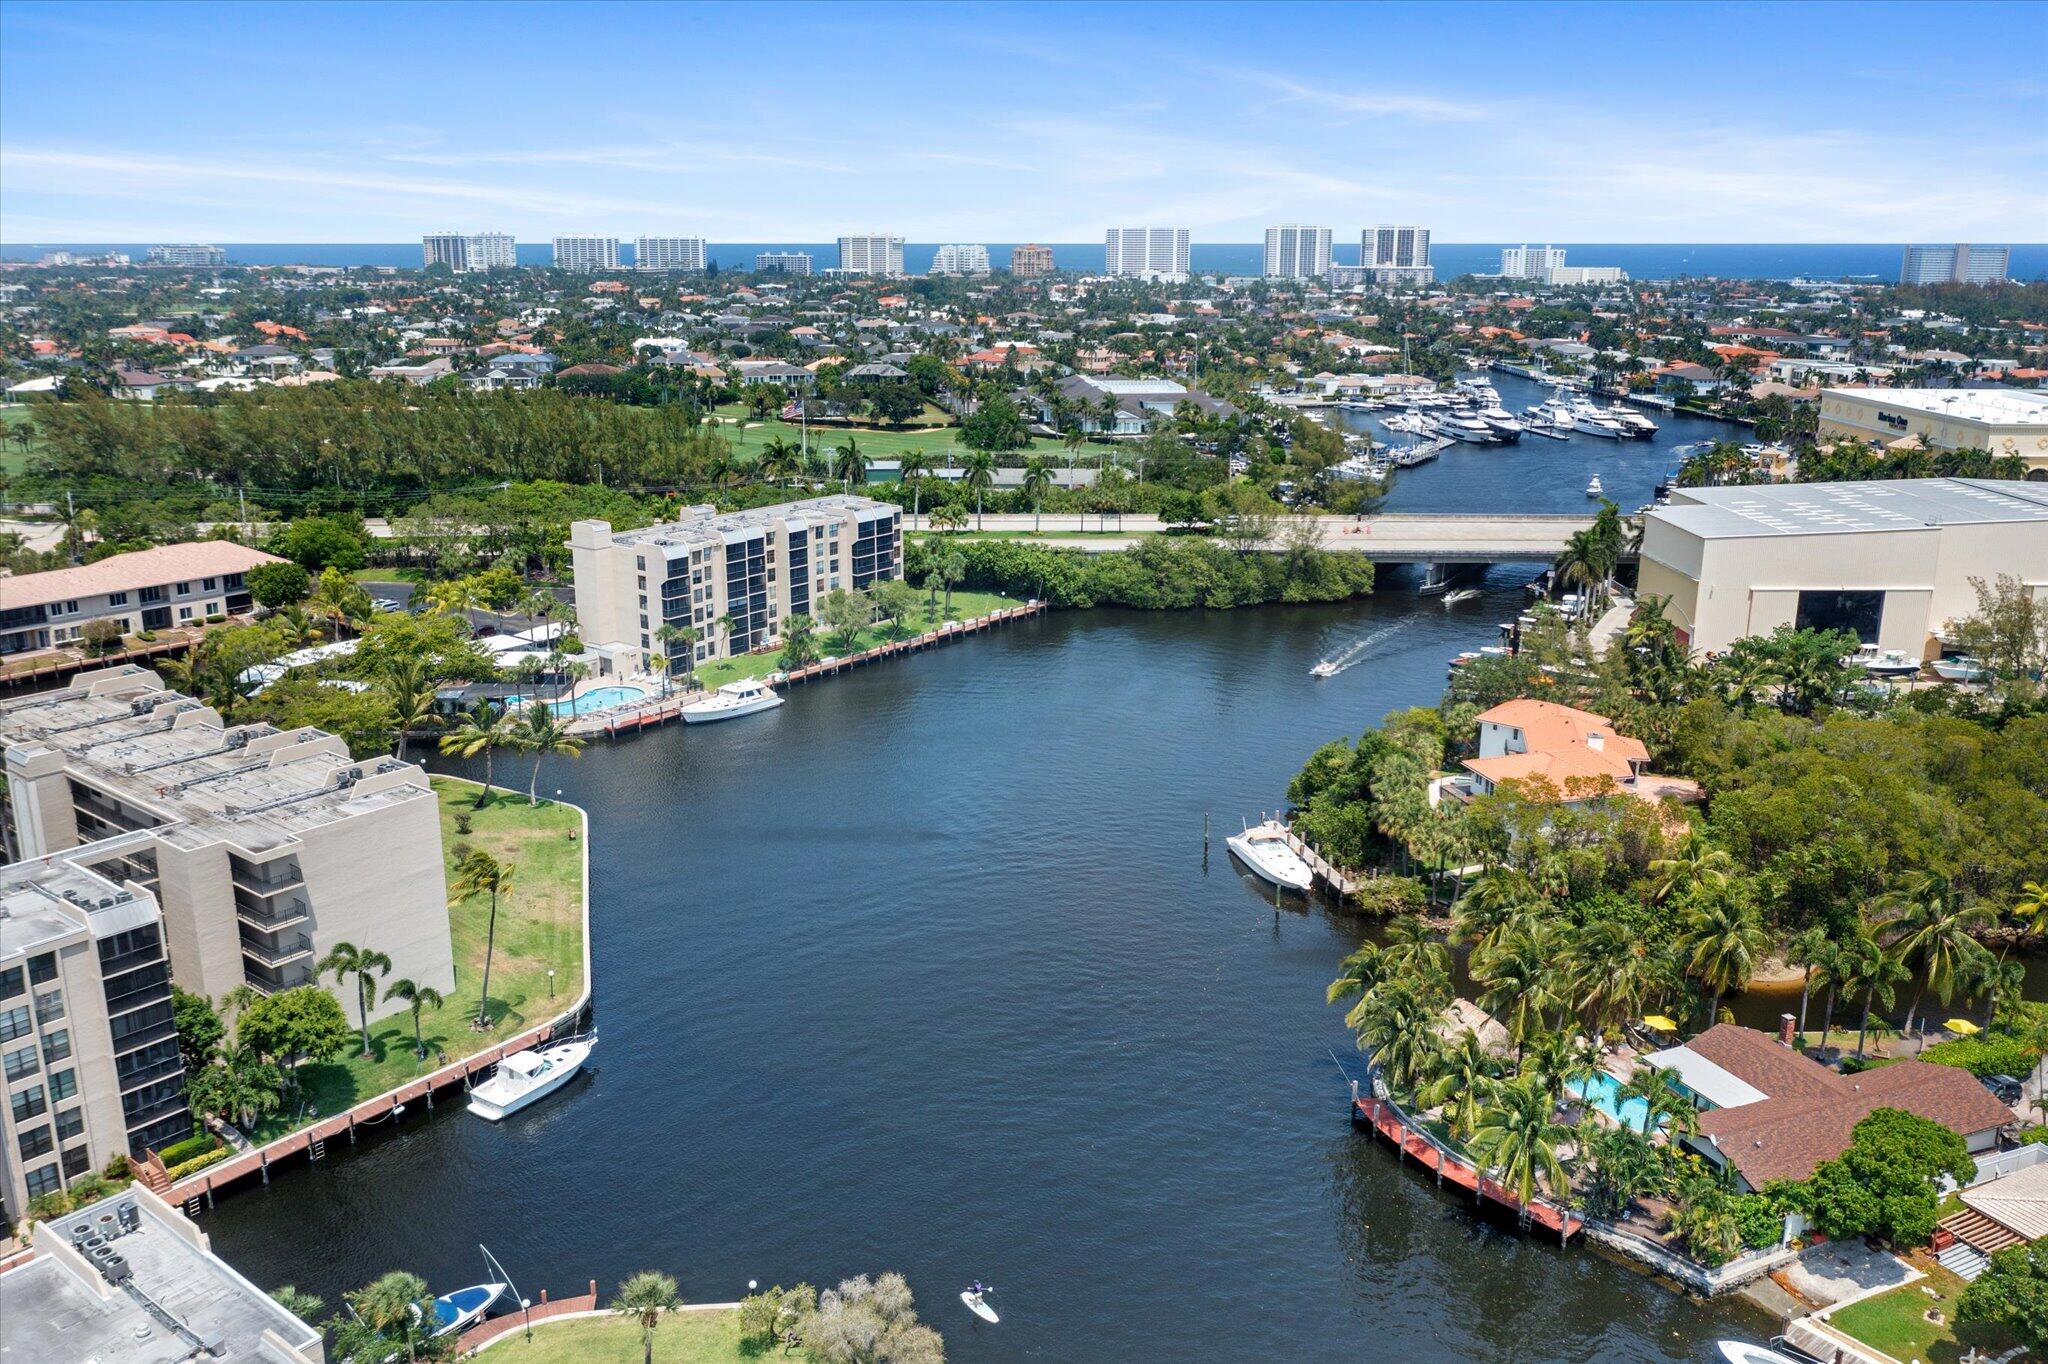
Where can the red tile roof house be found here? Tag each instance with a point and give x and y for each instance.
(1769, 1112)
(149, 589)
(1576, 754)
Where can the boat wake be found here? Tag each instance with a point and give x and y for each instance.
(1354, 653)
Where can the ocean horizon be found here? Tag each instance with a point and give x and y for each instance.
(1642, 260)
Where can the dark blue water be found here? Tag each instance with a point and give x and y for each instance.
(1642, 260)
(928, 970)
(1538, 475)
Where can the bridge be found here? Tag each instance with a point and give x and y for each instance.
(1404, 538)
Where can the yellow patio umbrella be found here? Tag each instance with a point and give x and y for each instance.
(1659, 1023)
(1962, 1027)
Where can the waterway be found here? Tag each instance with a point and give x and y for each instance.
(929, 970)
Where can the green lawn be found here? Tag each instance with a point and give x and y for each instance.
(540, 925)
(682, 1338)
(13, 458)
(966, 605)
(748, 436)
(1896, 1322)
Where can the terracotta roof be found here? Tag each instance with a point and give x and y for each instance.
(1569, 735)
(127, 572)
(1812, 1112)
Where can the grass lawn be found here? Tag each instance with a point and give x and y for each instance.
(966, 605)
(748, 436)
(1896, 1322)
(682, 1338)
(390, 575)
(13, 458)
(540, 925)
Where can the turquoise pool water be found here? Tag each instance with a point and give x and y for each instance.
(1603, 1092)
(597, 698)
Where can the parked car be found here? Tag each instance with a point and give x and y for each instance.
(2004, 1088)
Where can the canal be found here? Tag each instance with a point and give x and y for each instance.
(929, 971)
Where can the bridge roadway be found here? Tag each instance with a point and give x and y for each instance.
(1405, 538)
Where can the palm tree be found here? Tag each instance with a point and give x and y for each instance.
(1807, 951)
(1357, 977)
(304, 1306)
(952, 567)
(399, 1308)
(848, 463)
(1517, 981)
(1990, 978)
(1693, 864)
(1721, 940)
(669, 636)
(1465, 1077)
(416, 997)
(541, 734)
(409, 689)
(345, 959)
(978, 476)
(911, 468)
(482, 730)
(1037, 478)
(1400, 1032)
(1874, 973)
(780, 459)
(644, 1297)
(476, 872)
(1499, 900)
(1929, 927)
(1517, 1139)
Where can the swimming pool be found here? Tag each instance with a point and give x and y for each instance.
(1604, 1093)
(597, 698)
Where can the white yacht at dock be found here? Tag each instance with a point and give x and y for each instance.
(1265, 850)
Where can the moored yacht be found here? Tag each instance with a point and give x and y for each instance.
(1265, 850)
(526, 1077)
(745, 697)
(1632, 422)
(1594, 422)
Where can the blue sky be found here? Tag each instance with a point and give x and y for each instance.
(957, 122)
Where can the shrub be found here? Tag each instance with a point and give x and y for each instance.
(216, 619)
(119, 1167)
(43, 1207)
(1388, 895)
(101, 636)
(1983, 1056)
(1761, 1224)
(199, 1143)
(197, 1163)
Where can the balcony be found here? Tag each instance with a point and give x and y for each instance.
(264, 886)
(272, 918)
(149, 1074)
(267, 982)
(283, 954)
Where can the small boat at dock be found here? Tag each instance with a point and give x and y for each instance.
(1264, 849)
(526, 1077)
(749, 696)
(456, 1311)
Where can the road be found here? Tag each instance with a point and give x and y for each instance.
(1438, 539)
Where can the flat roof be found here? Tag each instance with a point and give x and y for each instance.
(52, 898)
(1993, 406)
(57, 1310)
(1704, 1078)
(1783, 509)
(703, 527)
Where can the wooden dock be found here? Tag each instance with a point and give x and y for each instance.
(669, 708)
(1411, 1142)
(1327, 872)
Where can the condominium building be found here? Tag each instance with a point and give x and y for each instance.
(147, 589)
(263, 847)
(1958, 264)
(1396, 254)
(960, 260)
(1030, 261)
(1296, 252)
(586, 254)
(130, 1280)
(1146, 252)
(191, 256)
(445, 248)
(782, 262)
(669, 254)
(757, 567)
(90, 1050)
(871, 254)
(2005, 421)
(1588, 274)
(1530, 262)
(490, 251)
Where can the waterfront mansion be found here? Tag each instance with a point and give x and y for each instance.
(733, 578)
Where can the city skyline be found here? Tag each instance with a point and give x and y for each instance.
(1231, 125)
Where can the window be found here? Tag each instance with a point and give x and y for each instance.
(42, 1180)
(70, 1123)
(150, 594)
(56, 1046)
(28, 1103)
(117, 598)
(12, 982)
(49, 1006)
(63, 1085)
(21, 1061)
(42, 970)
(184, 613)
(36, 1143)
(13, 1023)
(206, 584)
(183, 588)
(77, 1161)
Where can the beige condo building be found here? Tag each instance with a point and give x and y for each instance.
(754, 569)
(263, 847)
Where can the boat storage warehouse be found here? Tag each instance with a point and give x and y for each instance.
(1891, 561)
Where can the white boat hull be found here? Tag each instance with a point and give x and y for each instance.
(706, 712)
(979, 1308)
(1270, 859)
(500, 1097)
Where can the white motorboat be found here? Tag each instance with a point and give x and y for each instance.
(1742, 1352)
(746, 697)
(1264, 849)
(1593, 489)
(1461, 594)
(525, 1077)
(1884, 662)
(1961, 668)
(455, 1311)
(1329, 667)
(1594, 422)
(1632, 422)
(1459, 426)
